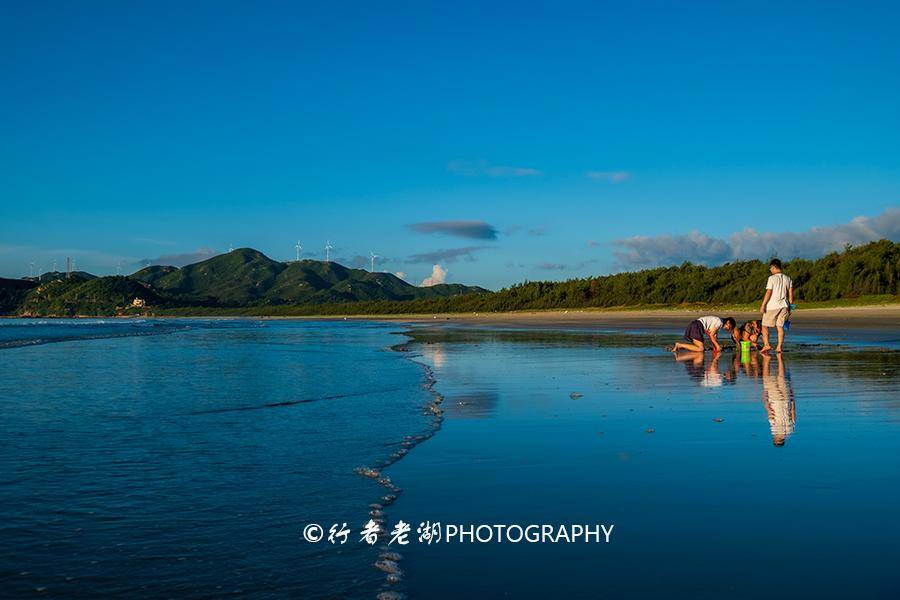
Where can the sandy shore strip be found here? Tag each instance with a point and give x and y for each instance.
(856, 317)
(846, 317)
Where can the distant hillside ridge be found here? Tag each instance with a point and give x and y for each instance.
(247, 277)
(98, 296)
(241, 278)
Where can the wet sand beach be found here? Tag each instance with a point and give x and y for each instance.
(882, 316)
(724, 477)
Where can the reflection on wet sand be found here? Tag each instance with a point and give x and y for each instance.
(434, 353)
(777, 390)
(706, 374)
(557, 426)
(778, 398)
(473, 405)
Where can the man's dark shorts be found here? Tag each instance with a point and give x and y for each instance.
(694, 331)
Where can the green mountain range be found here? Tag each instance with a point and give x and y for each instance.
(246, 282)
(239, 279)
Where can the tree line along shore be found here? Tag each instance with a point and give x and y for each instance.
(245, 282)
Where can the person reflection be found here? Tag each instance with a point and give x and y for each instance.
(706, 374)
(693, 363)
(778, 398)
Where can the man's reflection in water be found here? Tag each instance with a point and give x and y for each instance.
(777, 393)
(778, 398)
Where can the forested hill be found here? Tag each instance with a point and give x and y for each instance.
(247, 277)
(870, 270)
(247, 282)
(243, 278)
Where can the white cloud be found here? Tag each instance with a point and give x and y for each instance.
(400, 275)
(696, 247)
(482, 168)
(610, 176)
(438, 275)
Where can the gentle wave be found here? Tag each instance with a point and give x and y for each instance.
(16, 333)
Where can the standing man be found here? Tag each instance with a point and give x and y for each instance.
(776, 304)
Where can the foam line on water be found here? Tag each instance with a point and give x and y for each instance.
(294, 402)
(389, 560)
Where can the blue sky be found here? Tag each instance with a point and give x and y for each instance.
(136, 131)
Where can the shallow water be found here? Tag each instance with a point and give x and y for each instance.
(184, 457)
(186, 463)
(724, 478)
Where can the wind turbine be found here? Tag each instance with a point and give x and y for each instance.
(328, 248)
(299, 248)
(32, 270)
(119, 268)
(231, 247)
(373, 257)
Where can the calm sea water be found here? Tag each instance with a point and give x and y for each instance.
(723, 479)
(182, 458)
